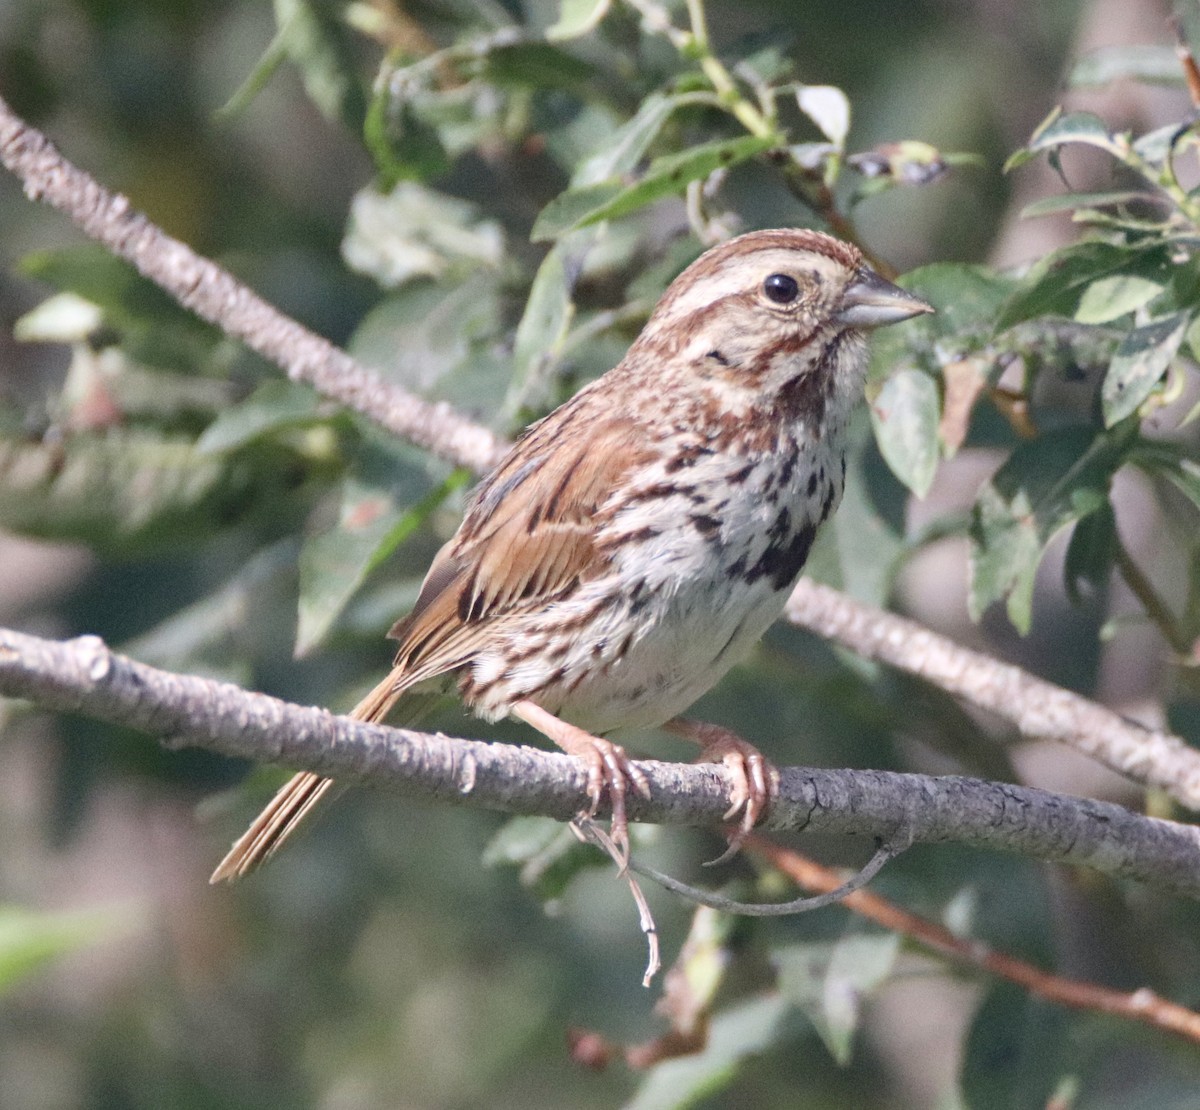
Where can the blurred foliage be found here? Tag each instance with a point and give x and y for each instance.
(483, 201)
(28, 939)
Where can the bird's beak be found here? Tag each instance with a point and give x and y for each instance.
(872, 302)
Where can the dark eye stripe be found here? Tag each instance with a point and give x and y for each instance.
(781, 288)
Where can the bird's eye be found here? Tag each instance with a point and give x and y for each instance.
(781, 288)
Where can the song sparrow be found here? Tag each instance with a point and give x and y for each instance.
(634, 544)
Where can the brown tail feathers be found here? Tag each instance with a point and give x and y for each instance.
(295, 799)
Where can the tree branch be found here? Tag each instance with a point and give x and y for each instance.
(217, 296)
(83, 675)
(1140, 1005)
(1039, 709)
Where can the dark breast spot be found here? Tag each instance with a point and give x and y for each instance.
(784, 559)
(707, 526)
(827, 505)
(781, 528)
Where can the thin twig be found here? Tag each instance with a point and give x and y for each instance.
(1140, 1005)
(587, 829)
(883, 854)
(82, 675)
(1150, 599)
(805, 185)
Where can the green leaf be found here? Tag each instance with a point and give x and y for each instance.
(1068, 202)
(857, 551)
(275, 406)
(538, 66)
(130, 490)
(1056, 284)
(828, 108)
(1016, 1051)
(543, 328)
(967, 299)
(766, 66)
(572, 209)
(1073, 127)
(1157, 146)
(628, 143)
(905, 417)
(1113, 297)
(1157, 65)
(1172, 461)
(576, 18)
(322, 47)
(1139, 364)
(1006, 550)
(1044, 486)
(1091, 552)
(204, 637)
(548, 854)
(829, 982)
(152, 328)
(257, 79)
(414, 231)
(670, 175)
(383, 502)
(739, 1032)
(402, 142)
(31, 939)
(667, 176)
(438, 341)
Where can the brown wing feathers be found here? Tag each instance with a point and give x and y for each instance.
(528, 538)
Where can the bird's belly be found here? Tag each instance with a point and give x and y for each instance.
(674, 661)
(635, 658)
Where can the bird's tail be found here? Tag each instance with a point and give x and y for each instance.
(296, 798)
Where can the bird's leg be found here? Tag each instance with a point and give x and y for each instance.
(755, 778)
(608, 767)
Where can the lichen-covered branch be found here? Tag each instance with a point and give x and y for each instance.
(83, 675)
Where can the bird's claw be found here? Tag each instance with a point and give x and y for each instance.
(611, 772)
(754, 779)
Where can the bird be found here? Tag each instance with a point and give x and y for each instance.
(633, 545)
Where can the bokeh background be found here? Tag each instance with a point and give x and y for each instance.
(383, 963)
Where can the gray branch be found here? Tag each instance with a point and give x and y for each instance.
(84, 676)
(1039, 709)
